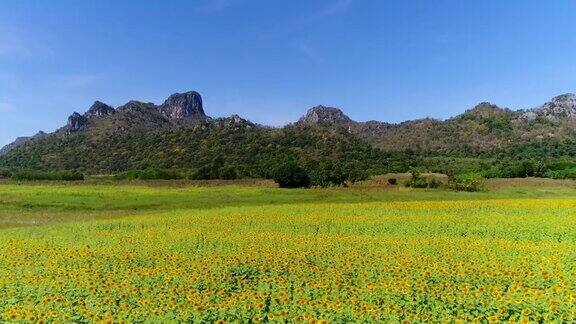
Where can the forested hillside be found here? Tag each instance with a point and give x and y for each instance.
(178, 135)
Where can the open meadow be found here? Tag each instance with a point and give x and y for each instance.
(139, 253)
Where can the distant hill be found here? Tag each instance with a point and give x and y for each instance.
(178, 134)
(484, 130)
(21, 141)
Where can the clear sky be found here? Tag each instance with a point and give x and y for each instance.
(271, 60)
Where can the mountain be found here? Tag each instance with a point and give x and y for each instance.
(178, 108)
(483, 130)
(179, 134)
(21, 141)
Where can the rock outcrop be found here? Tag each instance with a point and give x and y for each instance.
(181, 106)
(560, 107)
(98, 110)
(234, 121)
(134, 105)
(325, 115)
(563, 106)
(75, 122)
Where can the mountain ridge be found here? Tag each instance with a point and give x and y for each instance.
(188, 105)
(139, 129)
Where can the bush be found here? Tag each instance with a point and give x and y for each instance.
(419, 181)
(149, 174)
(327, 173)
(354, 172)
(52, 176)
(204, 173)
(493, 172)
(564, 163)
(434, 183)
(291, 175)
(561, 174)
(228, 172)
(5, 173)
(470, 182)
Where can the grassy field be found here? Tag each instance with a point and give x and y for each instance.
(156, 253)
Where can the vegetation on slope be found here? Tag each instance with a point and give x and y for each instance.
(330, 147)
(202, 152)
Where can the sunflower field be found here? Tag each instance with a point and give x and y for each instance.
(430, 260)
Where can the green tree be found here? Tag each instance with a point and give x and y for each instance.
(228, 172)
(290, 175)
(354, 172)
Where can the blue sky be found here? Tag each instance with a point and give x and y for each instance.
(270, 61)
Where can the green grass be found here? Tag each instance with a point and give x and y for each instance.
(45, 203)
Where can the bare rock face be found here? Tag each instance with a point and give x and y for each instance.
(98, 110)
(563, 106)
(560, 107)
(325, 115)
(233, 121)
(183, 106)
(75, 122)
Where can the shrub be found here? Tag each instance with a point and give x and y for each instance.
(470, 182)
(228, 172)
(561, 174)
(215, 170)
(52, 176)
(354, 172)
(564, 163)
(290, 175)
(5, 173)
(419, 181)
(493, 172)
(327, 173)
(149, 174)
(204, 173)
(434, 183)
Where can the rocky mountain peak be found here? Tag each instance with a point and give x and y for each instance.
(562, 106)
(75, 122)
(325, 115)
(99, 109)
(237, 119)
(559, 107)
(135, 105)
(232, 122)
(565, 98)
(183, 106)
